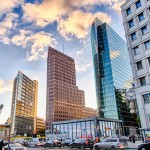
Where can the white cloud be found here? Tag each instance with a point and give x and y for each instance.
(8, 24)
(83, 67)
(117, 6)
(80, 52)
(8, 5)
(6, 85)
(37, 42)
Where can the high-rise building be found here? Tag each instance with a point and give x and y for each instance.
(40, 125)
(89, 112)
(24, 105)
(112, 72)
(64, 100)
(136, 21)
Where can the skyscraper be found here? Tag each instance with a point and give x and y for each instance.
(24, 105)
(112, 72)
(64, 100)
(136, 20)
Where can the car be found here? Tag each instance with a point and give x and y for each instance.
(67, 142)
(53, 143)
(111, 143)
(14, 146)
(144, 146)
(82, 143)
(24, 143)
(36, 142)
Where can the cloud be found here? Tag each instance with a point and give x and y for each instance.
(80, 52)
(117, 6)
(7, 24)
(6, 85)
(37, 42)
(114, 54)
(75, 26)
(8, 5)
(83, 67)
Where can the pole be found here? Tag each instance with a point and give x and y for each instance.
(9, 137)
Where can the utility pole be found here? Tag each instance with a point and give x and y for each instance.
(1, 107)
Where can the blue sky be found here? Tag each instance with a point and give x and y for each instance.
(28, 27)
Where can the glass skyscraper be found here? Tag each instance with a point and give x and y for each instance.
(112, 72)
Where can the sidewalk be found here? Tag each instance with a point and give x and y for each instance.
(134, 145)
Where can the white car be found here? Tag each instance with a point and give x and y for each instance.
(14, 146)
(111, 143)
(35, 142)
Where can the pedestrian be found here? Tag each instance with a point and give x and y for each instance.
(1, 144)
(133, 138)
(130, 138)
(142, 139)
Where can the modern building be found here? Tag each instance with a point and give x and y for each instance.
(136, 21)
(40, 125)
(24, 105)
(89, 112)
(64, 100)
(113, 75)
(89, 127)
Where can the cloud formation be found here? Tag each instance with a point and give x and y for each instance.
(37, 42)
(6, 85)
(8, 5)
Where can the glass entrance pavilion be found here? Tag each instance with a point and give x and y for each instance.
(89, 127)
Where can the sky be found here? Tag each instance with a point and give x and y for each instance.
(28, 27)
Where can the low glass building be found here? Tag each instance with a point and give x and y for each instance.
(89, 127)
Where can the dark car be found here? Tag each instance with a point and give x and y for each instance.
(82, 143)
(144, 146)
(67, 142)
(24, 143)
(53, 143)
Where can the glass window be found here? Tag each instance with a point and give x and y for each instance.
(139, 65)
(141, 16)
(138, 4)
(142, 81)
(147, 44)
(144, 30)
(131, 23)
(128, 11)
(136, 50)
(133, 36)
(148, 60)
(146, 98)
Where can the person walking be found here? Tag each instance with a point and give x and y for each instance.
(1, 144)
(133, 138)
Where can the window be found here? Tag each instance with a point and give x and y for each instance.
(147, 44)
(144, 30)
(138, 4)
(141, 16)
(128, 11)
(136, 50)
(133, 36)
(139, 65)
(142, 81)
(131, 23)
(146, 98)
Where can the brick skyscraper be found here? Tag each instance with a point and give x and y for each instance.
(64, 100)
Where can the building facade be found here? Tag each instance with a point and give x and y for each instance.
(136, 20)
(24, 105)
(89, 127)
(89, 112)
(64, 100)
(113, 75)
(40, 125)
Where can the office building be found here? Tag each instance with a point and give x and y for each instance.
(113, 75)
(136, 21)
(24, 105)
(89, 127)
(40, 125)
(89, 112)
(64, 100)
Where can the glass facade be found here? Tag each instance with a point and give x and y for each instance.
(24, 105)
(90, 127)
(113, 75)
